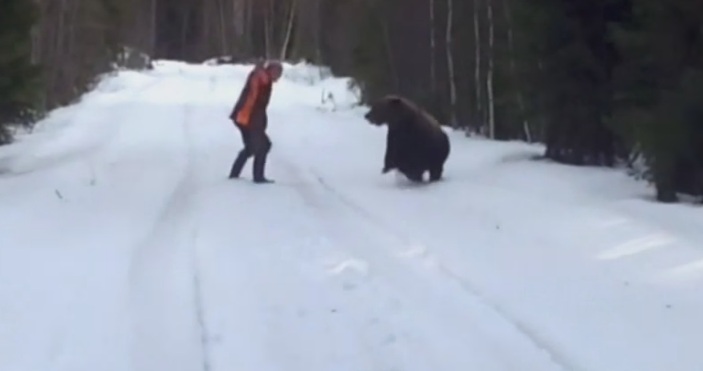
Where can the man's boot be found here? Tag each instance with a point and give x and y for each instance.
(259, 165)
(238, 164)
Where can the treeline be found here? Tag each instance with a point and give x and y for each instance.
(51, 51)
(600, 82)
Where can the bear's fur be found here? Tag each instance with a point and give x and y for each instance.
(415, 142)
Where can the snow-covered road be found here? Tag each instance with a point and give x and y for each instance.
(123, 246)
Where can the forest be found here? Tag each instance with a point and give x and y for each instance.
(598, 82)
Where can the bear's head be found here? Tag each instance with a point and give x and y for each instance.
(387, 110)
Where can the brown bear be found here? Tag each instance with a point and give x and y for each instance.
(415, 141)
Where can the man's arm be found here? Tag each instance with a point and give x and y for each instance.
(243, 117)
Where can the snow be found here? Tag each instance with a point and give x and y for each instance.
(125, 247)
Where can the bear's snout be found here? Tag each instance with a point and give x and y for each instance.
(372, 117)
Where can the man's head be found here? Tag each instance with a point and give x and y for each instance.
(274, 69)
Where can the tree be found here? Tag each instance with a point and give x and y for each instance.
(659, 89)
(596, 81)
(19, 77)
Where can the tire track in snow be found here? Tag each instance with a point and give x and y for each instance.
(557, 357)
(200, 312)
(167, 259)
(377, 327)
(528, 332)
(186, 192)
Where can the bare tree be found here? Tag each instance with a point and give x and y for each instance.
(450, 64)
(289, 30)
(513, 69)
(433, 49)
(477, 53)
(489, 79)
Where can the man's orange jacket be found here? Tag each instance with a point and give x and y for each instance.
(250, 109)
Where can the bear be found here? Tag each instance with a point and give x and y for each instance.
(415, 141)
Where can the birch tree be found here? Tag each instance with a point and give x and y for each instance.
(477, 70)
(489, 78)
(450, 64)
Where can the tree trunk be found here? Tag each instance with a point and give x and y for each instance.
(450, 64)
(152, 27)
(477, 71)
(513, 68)
(318, 32)
(289, 31)
(224, 27)
(489, 79)
(433, 51)
(268, 27)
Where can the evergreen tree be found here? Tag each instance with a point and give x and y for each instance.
(594, 80)
(19, 78)
(570, 61)
(660, 91)
(370, 63)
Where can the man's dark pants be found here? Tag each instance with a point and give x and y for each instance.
(257, 144)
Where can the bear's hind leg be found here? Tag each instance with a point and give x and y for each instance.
(414, 175)
(436, 173)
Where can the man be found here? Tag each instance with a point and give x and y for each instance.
(249, 115)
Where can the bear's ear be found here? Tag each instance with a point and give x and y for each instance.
(394, 101)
